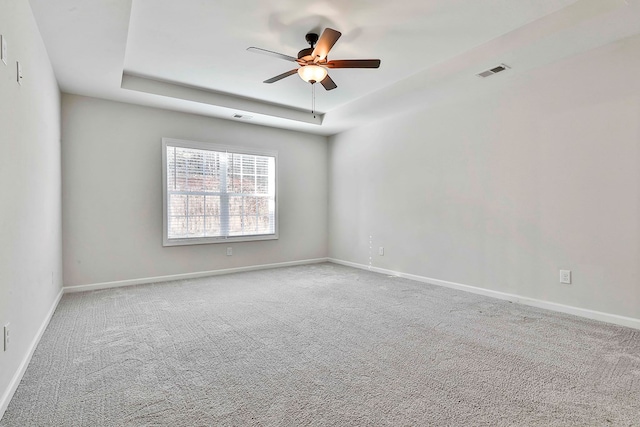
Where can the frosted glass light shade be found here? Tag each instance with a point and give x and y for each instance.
(312, 73)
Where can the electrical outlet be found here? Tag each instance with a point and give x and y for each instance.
(19, 72)
(381, 251)
(3, 49)
(565, 276)
(7, 337)
(229, 251)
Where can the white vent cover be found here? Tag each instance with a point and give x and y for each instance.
(495, 70)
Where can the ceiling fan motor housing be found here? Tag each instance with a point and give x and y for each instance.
(305, 53)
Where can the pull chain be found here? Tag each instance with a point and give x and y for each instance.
(313, 100)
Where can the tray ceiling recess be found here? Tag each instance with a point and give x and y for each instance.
(192, 56)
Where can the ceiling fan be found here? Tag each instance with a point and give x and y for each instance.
(313, 61)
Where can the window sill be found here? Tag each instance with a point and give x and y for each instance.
(215, 240)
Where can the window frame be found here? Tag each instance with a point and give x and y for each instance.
(199, 145)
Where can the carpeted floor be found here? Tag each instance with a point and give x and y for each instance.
(322, 345)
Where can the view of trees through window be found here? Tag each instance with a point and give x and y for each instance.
(219, 194)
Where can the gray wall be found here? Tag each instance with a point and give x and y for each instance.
(30, 212)
(112, 193)
(503, 188)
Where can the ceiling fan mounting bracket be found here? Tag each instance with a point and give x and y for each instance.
(312, 39)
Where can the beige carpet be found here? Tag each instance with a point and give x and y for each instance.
(322, 345)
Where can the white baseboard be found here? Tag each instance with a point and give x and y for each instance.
(145, 280)
(582, 312)
(576, 311)
(17, 377)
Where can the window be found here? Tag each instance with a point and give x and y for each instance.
(215, 193)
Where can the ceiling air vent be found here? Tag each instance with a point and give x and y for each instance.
(494, 70)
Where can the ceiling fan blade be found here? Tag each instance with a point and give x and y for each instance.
(270, 53)
(281, 76)
(328, 83)
(328, 38)
(354, 63)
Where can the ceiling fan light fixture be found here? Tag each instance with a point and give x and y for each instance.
(312, 73)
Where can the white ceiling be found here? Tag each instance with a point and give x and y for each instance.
(190, 55)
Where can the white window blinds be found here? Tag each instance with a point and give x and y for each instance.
(216, 194)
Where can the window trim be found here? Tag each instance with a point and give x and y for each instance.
(213, 147)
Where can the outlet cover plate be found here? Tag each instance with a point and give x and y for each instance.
(7, 337)
(3, 49)
(565, 276)
(229, 251)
